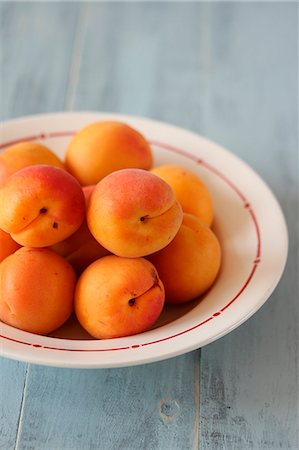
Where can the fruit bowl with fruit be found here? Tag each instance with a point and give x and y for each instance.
(125, 241)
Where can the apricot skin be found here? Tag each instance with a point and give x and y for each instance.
(133, 213)
(118, 297)
(188, 266)
(36, 290)
(25, 154)
(191, 192)
(40, 205)
(81, 248)
(7, 245)
(103, 147)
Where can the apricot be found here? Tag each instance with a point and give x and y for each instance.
(190, 190)
(7, 245)
(103, 147)
(133, 213)
(188, 266)
(25, 154)
(41, 205)
(36, 290)
(118, 297)
(81, 248)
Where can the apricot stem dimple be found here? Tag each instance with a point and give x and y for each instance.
(131, 302)
(43, 210)
(142, 219)
(155, 284)
(55, 225)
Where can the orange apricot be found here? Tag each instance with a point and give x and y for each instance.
(188, 266)
(7, 245)
(81, 249)
(190, 190)
(103, 147)
(40, 205)
(26, 154)
(36, 290)
(132, 213)
(118, 297)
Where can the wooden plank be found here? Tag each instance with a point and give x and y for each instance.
(12, 373)
(122, 72)
(114, 75)
(153, 406)
(12, 383)
(150, 67)
(150, 406)
(249, 390)
(201, 64)
(36, 56)
(30, 68)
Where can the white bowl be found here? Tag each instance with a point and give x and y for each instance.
(248, 222)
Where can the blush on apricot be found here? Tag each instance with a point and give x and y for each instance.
(40, 205)
(81, 248)
(103, 147)
(25, 154)
(118, 297)
(133, 213)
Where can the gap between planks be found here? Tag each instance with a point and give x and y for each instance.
(76, 59)
(20, 418)
(196, 398)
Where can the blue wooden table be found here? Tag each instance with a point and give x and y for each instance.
(228, 71)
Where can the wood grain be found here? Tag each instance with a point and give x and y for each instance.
(132, 408)
(12, 384)
(36, 56)
(33, 79)
(229, 72)
(249, 386)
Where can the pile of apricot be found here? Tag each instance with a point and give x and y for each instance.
(102, 233)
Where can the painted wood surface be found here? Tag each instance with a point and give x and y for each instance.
(229, 72)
